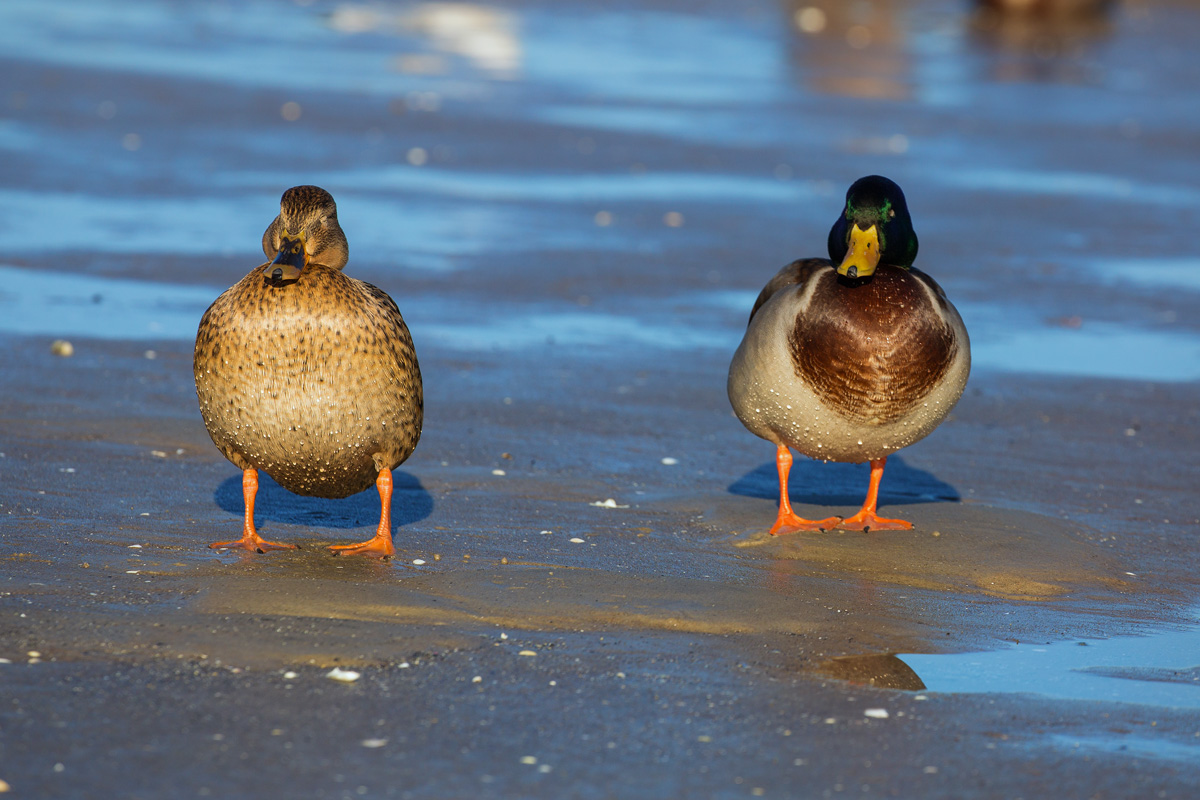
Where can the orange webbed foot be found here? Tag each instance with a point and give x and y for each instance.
(252, 544)
(379, 545)
(866, 519)
(790, 523)
(787, 521)
(871, 522)
(375, 547)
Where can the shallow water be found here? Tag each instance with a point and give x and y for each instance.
(1159, 669)
(43, 302)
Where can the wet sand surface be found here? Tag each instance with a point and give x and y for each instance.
(575, 207)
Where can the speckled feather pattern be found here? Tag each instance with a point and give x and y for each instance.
(315, 382)
(845, 372)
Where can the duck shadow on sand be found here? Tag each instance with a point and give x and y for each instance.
(834, 484)
(410, 503)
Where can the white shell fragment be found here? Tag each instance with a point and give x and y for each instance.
(876, 713)
(609, 503)
(343, 675)
(373, 743)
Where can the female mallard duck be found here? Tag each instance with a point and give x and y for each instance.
(851, 362)
(309, 374)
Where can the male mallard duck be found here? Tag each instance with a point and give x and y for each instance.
(855, 361)
(309, 374)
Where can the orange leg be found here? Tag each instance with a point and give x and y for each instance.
(379, 545)
(787, 518)
(865, 519)
(250, 539)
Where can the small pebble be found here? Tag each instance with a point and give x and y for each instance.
(61, 347)
(34, 654)
(343, 675)
(576, 540)
(545, 533)
(405, 665)
(290, 676)
(670, 462)
(373, 743)
(498, 472)
(531, 760)
(477, 679)
(527, 653)
(876, 713)
(4, 787)
(418, 561)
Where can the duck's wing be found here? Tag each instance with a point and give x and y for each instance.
(794, 274)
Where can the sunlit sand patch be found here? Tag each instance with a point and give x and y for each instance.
(530, 598)
(1001, 553)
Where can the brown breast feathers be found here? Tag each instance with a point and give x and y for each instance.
(872, 351)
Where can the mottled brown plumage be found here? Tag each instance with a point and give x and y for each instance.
(311, 378)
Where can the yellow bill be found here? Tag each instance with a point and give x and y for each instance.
(863, 255)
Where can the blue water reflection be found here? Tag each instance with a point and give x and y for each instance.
(66, 304)
(1159, 670)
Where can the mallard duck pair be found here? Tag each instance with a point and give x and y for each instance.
(311, 375)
